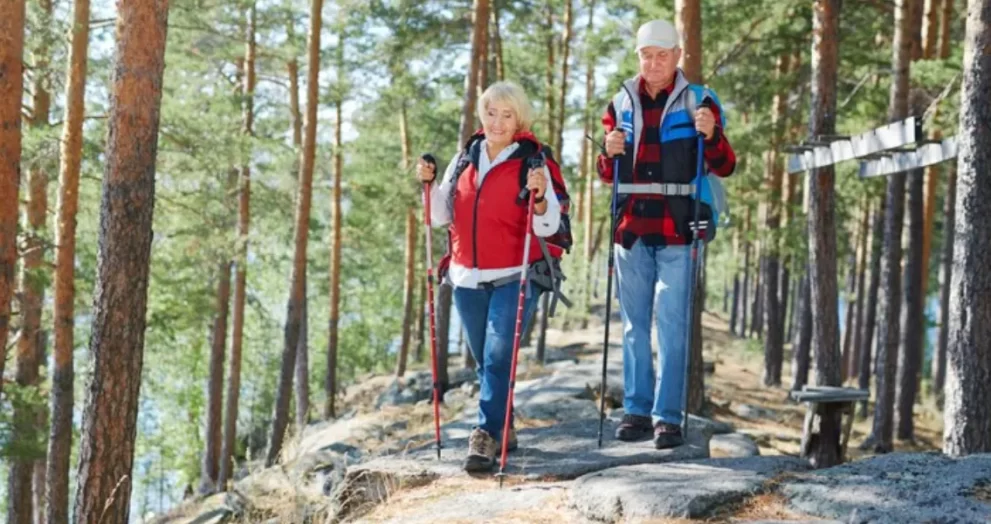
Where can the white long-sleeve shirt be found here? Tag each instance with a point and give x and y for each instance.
(441, 212)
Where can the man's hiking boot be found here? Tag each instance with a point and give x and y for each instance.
(482, 449)
(667, 436)
(633, 428)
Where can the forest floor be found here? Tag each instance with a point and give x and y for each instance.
(734, 390)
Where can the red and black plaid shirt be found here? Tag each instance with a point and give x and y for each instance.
(660, 230)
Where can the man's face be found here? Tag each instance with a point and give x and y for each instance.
(658, 65)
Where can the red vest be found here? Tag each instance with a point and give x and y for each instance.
(489, 226)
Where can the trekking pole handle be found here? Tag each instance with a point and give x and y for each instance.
(532, 163)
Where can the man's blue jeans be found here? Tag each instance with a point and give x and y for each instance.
(653, 288)
(489, 318)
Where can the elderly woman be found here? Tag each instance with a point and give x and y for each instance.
(478, 198)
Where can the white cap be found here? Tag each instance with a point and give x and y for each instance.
(657, 33)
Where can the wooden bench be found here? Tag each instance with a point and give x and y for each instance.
(815, 399)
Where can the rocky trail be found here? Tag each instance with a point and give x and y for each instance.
(378, 463)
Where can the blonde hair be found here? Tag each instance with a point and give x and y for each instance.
(512, 94)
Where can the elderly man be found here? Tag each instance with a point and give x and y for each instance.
(662, 115)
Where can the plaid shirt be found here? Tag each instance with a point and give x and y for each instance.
(660, 229)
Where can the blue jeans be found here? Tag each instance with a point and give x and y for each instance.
(653, 288)
(489, 318)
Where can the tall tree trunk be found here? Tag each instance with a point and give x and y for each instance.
(756, 308)
(803, 333)
(822, 230)
(330, 382)
(549, 70)
(930, 28)
(688, 22)
(848, 327)
(483, 56)
(774, 341)
(890, 304)
(297, 291)
(11, 91)
(910, 356)
(931, 187)
(586, 164)
(103, 489)
(967, 427)
(734, 314)
(481, 18)
(944, 29)
(210, 474)
(408, 291)
(500, 71)
(60, 433)
(32, 297)
(746, 273)
(858, 302)
(303, 367)
(866, 334)
(946, 279)
(563, 90)
(241, 259)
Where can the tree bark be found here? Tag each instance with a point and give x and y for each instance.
(481, 18)
(330, 382)
(946, 278)
(734, 314)
(866, 334)
(803, 333)
(774, 341)
(756, 307)
(563, 90)
(930, 28)
(944, 29)
(858, 348)
(549, 70)
(497, 42)
(688, 22)
(241, 260)
(967, 427)
(848, 327)
(586, 165)
(60, 433)
(890, 304)
(210, 474)
(408, 290)
(298, 278)
(915, 28)
(746, 274)
(32, 297)
(822, 230)
(910, 355)
(103, 489)
(931, 186)
(11, 91)
(303, 367)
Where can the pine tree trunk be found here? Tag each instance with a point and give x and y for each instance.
(209, 474)
(688, 22)
(866, 334)
(803, 333)
(241, 260)
(483, 57)
(103, 489)
(303, 367)
(858, 323)
(915, 28)
(890, 304)
(563, 91)
(587, 168)
(746, 275)
(549, 70)
(822, 230)
(774, 341)
(968, 379)
(497, 42)
(408, 291)
(930, 27)
(848, 327)
(946, 278)
(481, 17)
(929, 216)
(756, 308)
(41, 422)
(60, 434)
(32, 296)
(297, 293)
(944, 29)
(735, 300)
(330, 381)
(913, 329)
(11, 91)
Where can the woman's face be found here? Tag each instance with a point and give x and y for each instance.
(500, 123)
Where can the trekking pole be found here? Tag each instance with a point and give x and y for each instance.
(430, 300)
(693, 279)
(534, 164)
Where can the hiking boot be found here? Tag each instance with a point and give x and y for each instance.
(482, 449)
(667, 436)
(633, 428)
